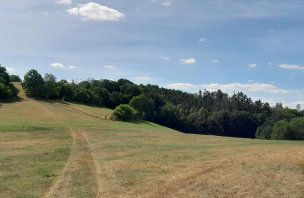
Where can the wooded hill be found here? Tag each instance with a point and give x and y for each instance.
(206, 112)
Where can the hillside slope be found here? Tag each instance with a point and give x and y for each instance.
(51, 149)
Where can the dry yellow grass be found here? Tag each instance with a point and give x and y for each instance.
(116, 159)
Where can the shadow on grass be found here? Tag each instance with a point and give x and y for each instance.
(70, 107)
(11, 100)
(86, 104)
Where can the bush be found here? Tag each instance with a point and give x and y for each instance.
(5, 92)
(125, 112)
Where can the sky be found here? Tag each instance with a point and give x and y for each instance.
(254, 46)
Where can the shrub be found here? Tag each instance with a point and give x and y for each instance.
(5, 92)
(125, 112)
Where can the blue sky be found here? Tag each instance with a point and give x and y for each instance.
(237, 45)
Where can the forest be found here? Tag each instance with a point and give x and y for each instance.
(204, 112)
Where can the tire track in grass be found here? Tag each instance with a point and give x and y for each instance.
(100, 191)
(99, 180)
(77, 178)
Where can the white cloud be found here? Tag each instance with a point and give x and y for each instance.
(165, 58)
(57, 65)
(253, 66)
(231, 87)
(291, 67)
(266, 92)
(64, 2)
(73, 11)
(109, 67)
(201, 40)
(188, 61)
(215, 61)
(62, 66)
(96, 12)
(251, 87)
(167, 3)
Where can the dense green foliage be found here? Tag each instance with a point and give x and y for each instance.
(207, 112)
(144, 105)
(125, 112)
(34, 84)
(15, 78)
(7, 89)
(283, 124)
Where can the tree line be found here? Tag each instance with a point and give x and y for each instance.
(214, 113)
(7, 89)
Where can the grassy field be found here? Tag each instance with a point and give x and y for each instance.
(53, 149)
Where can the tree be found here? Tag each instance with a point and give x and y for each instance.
(168, 116)
(65, 90)
(50, 87)
(33, 84)
(298, 107)
(15, 78)
(281, 131)
(144, 105)
(125, 112)
(297, 128)
(7, 89)
(82, 95)
(4, 76)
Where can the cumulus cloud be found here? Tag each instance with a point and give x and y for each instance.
(61, 66)
(109, 67)
(266, 92)
(64, 2)
(291, 67)
(189, 61)
(215, 61)
(57, 65)
(96, 12)
(253, 87)
(231, 87)
(253, 66)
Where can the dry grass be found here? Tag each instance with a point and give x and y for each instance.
(116, 159)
